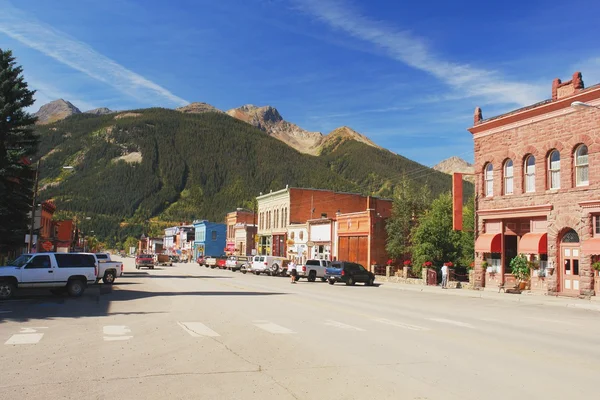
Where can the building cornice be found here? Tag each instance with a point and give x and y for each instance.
(515, 212)
(543, 112)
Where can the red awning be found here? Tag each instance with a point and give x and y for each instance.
(534, 243)
(488, 243)
(591, 246)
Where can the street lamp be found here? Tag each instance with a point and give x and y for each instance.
(33, 205)
(580, 105)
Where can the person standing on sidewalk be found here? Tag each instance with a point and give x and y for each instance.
(444, 276)
(292, 270)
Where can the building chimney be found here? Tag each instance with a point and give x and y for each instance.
(564, 89)
(477, 116)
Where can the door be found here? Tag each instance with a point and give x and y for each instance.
(343, 249)
(569, 263)
(570, 269)
(38, 270)
(363, 250)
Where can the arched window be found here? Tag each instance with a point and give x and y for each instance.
(554, 170)
(508, 177)
(489, 180)
(301, 235)
(530, 174)
(292, 235)
(276, 222)
(581, 166)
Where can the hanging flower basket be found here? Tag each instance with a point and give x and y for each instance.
(427, 264)
(448, 264)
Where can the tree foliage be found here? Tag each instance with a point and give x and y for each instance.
(434, 239)
(17, 142)
(410, 201)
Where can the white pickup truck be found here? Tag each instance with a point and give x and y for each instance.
(108, 270)
(71, 271)
(313, 269)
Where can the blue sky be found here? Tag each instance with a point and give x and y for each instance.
(406, 74)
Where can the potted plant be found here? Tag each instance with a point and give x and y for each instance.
(486, 266)
(596, 266)
(407, 263)
(533, 264)
(520, 270)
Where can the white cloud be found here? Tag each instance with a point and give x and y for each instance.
(412, 50)
(590, 70)
(80, 56)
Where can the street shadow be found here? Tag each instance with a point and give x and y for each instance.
(190, 277)
(95, 302)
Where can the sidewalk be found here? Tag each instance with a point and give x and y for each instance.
(525, 298)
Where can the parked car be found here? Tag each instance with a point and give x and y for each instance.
(235, 263)
(200, 260)
(210, 262)
(144, 260)
(222, 262)
(164, 259)
(108, 270)
(312, 270)
(70, 271)
(349, 273)
(270, 265)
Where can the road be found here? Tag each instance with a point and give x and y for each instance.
(187, 332)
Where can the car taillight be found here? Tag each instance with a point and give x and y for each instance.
(95, 269)
(121, 267)
(343, 272)
(304, 268)
(265, 263)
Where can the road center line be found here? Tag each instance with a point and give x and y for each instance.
(341, 325)
(273, 328)
(197, 329)
(25, 338)
(401, 325)
(452, 322)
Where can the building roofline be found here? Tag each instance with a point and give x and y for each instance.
(318, 190)
(542, 107)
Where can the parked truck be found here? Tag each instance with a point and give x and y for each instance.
(72, 272)
(312, 270)
(108, 270)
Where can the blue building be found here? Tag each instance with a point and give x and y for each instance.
(210, 238)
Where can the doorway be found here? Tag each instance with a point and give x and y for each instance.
(569, 264)
(510, 251)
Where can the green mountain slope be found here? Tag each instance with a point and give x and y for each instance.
(159, 164)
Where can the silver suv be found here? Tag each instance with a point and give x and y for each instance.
(235, 263)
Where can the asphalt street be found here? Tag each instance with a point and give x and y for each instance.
(188, 332)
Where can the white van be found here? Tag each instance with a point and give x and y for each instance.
(269, 265)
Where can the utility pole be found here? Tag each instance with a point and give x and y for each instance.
(33, 207)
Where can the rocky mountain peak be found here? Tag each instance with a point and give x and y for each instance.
(198, 108)
(100, 111)
(456, 164)
(55, 111)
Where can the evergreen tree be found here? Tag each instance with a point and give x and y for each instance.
(410, 201)
(17, 143)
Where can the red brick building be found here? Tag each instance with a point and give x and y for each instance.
(277, 210)
(241, 231)
(538, 191)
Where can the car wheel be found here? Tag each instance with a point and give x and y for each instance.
(244, 271)
(331, 281)
(109, 277)
(257, 273)
(312, 276)
(350, 281)
(7, 290)
(75, 287)
(274, 269)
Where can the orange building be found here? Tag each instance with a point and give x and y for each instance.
(361, 236)
(241, 231)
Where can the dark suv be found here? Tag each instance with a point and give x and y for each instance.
(349, 273)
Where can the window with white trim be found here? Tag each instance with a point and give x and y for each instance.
(530, 174)
(508, 177)
(581, 166)
(554, 170)
(489, 180)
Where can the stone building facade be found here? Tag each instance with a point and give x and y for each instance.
(538, 191)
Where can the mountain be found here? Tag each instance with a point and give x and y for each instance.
(163, 165)
(198, 108)
(456, 164)
(268, 119)
(340, 135)
(100, 111)
(55, 111)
